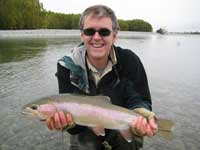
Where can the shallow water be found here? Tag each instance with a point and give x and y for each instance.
(28, 65)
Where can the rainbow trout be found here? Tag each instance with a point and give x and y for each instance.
(91, 111)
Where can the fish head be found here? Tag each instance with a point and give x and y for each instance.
(40, 111)
(34, 111)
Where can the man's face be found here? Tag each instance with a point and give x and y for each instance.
(98, 46)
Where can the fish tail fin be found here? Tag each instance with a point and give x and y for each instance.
(165, 135)
(165, 127)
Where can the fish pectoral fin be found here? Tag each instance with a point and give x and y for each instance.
(126, 134)
(98, 130)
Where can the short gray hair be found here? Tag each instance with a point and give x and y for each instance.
(99, 11)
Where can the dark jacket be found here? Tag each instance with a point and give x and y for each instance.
(126, 84)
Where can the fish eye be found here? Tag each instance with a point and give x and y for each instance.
(34, 107)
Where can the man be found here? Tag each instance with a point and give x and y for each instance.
(98, 67)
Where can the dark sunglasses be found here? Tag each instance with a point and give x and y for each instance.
(92, 31)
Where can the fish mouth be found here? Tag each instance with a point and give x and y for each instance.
(26, 113)
(29, 111)
(42, 120)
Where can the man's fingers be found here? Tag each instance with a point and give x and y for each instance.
(138, 122)
(57, 120)
(69, 118)
(140, 125)
(63, 119)
(153, 124)
(149, 131)
(50, 123)
(143, 126)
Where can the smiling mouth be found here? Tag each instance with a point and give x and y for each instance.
(97, 45)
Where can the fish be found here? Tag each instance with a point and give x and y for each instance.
(96, 112)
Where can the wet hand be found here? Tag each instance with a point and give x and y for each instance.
(59, 121)
(142, 127)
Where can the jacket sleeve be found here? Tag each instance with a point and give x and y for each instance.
(65, 86)
(137, 92)
(63, 76)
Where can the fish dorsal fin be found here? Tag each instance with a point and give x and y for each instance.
(100, 99)
(103, 99)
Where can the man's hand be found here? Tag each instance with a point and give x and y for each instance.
(142, 127)
(60, 121)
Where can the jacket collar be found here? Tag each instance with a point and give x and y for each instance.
(75, 62)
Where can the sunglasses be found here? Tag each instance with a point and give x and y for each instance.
(92, 31)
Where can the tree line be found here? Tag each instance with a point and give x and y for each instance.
(30, 14)
(21, 14)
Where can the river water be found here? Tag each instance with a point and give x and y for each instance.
(27, 72)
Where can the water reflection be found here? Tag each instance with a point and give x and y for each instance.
(18, 49)
(12, 50)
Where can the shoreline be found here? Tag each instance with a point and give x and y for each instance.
(38, 33)
(63, 33)
(66, 33)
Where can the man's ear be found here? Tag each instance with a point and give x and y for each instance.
(81, 36)
(115, 36)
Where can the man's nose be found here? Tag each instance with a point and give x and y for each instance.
(96, 35)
